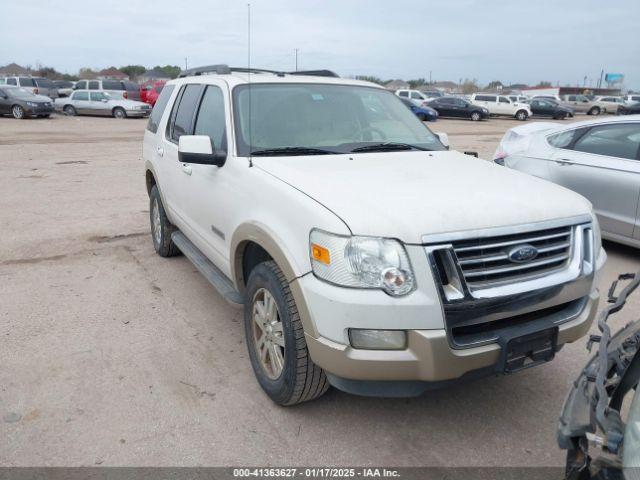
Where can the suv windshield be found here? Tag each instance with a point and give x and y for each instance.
(295, 118)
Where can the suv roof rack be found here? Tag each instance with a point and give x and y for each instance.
(223, 69)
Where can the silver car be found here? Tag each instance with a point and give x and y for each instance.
(599, 159)
(91, 102)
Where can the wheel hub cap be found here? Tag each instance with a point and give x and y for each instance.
(268, 335)
(155, 223)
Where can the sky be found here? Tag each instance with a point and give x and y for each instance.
(514, 41)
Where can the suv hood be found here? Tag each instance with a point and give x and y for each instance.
(406, 195)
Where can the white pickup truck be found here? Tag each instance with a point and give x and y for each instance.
(366, 255)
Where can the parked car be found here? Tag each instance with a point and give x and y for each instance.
(115, 88)
(98, 102)
(609, 104)
(433, 93)
(458, 107)
(152, 94)
(632, 98)
(544, 107)
(555, 98)
(26, 82)
(629, 109)
(290, 219)
(46, 87)
(582, 104)
(600, 435)
(426, 114)
(599, 159)
(501, 105)
(416, 96)
(21, 103)
(65, 87)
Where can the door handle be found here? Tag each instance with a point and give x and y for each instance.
(563, 163)
(186, 168)
(160, 151)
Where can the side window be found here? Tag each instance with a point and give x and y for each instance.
(94, 85)
(503, 100)
(403, 94)
(27, 82)
(182, 121)
(447, 101)
(81, 96)
(621, 141)
(159, 108)
(491, 98)
(564, 139)
(572, 98)
(98, 96)
(416, 95)
(11, 81)
(81, 85)
(211, 118)
(110, 85)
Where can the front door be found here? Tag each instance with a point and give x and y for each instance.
(99, 103)
(603, 164)
(81, 102)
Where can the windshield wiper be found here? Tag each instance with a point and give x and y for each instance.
(292, 151)
(381, 147)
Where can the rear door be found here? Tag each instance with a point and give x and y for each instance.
(602, 164)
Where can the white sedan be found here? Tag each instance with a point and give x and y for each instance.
(98, 102)
(599, 159)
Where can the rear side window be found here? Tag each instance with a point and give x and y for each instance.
(111, 85)
(11, 81)
(94, 85)
(403, 94)
(81, 85)
(211, 118)
(159, 108)
(621, 141)
(504, 100)
(44, 82)
(130, 86)
(182, 120)
(81, 96)
(27, 82)
(564, 139)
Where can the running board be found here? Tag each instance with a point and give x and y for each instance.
(212, 273)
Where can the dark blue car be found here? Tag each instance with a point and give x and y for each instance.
(426, 114)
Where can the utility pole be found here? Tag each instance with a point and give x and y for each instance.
(430, 82)
(186, 66)
(296, 50)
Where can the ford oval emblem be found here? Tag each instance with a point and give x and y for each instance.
(522, 253)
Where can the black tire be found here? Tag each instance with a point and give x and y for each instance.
(300, 380)
(18, 112)
(422, 117)
(594, 111)
(119, 112)
(161, 228)
(522, 115)
(70, 110)
(476, 116)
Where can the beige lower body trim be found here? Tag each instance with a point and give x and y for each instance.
(428, 356)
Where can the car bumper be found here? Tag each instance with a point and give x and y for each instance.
(39, 110)
(138, 113)
(429, 360)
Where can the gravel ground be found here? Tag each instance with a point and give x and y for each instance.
(110, 355)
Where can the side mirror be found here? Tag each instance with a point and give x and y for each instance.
(444, 139)
(199, 149)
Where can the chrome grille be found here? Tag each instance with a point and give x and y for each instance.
(485, 262)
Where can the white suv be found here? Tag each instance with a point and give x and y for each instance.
(365, 254)
(501, 105)
(416, 97)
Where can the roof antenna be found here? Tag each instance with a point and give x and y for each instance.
(249, 79)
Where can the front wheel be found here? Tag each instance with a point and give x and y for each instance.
(275, 339)
(476, 117)
(18, 112)
(161, 228)
(119, 113)
(522, 115)
(70, 110)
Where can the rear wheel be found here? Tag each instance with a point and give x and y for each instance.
(522, 115)
(161, 228)
(119, 112)
(69, 110)
(475, 116)
(275, 339)
(18, 112)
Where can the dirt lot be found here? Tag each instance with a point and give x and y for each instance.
(110, 355)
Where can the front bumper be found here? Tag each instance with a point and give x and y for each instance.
(39, 110)
(430, 360)
(138, 113)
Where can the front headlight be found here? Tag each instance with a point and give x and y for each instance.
(361, 262)
(32, 104)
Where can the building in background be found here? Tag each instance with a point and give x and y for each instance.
(154, 75)
(112, 74)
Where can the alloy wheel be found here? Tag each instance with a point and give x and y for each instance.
(268, 334)
(156, 226)
(17, 111)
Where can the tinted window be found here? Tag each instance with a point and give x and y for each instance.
(130, 86)
(111, 85)
(183, 119)
(481, 98)
(416, 95)
(636, 98)
(44, 82)
(98, 96)
(459, 102)
(404, 94)
(81, 85)
(11, 81)
(504, 100)
(572, 98)
(94, 85)
(159, 108)
(446, 101)
(81, 96)
(63, 84)
(211, 118)
(622, 141)
(27, 82)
